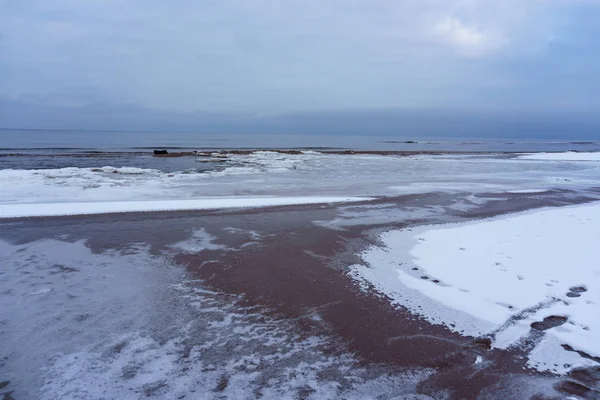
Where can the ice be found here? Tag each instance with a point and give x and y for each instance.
(271, 174)
(474, 277)
(566, 156)
(526, 191)
(200, 240)
(108, 207)
(127, 324)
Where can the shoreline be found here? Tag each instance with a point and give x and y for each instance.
(35, 210)
(517, 202)
(278, 261)
(223, 152)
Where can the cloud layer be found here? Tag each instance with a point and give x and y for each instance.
(264, 57)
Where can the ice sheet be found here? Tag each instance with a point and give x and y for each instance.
(475, 277)
(288, 175)
(129, 324)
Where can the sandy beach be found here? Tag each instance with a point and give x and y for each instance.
(194, 291)
(300, 200)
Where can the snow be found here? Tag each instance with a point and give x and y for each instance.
(59, 209)
(129, 324)
(491, 270)
(200, 240)
(527, 191)
(566, 156)
(284, 175)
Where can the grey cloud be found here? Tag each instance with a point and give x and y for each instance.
(266, 57)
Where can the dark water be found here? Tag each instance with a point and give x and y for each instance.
(66, 159)
(23, 149)
(79, 141)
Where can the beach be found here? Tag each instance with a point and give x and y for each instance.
(325, 293)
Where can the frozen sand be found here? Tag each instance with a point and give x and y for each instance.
(534, 265)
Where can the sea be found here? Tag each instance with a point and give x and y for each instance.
(50, 149)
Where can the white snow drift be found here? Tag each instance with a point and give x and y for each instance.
(473, 277)
(58, 209)
(565, 156)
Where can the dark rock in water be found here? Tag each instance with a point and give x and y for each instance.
(4, 384)
(573, 294)
(160, 152)
(548, 322)
(97, 170)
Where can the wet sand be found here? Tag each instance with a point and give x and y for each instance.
(299, 271)
(296, 272)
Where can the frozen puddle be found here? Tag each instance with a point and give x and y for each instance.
(527, 278)
(128, 324)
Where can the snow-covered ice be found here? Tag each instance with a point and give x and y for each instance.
(127, 324)
(475, 277)
(565, 156)
(58, 209)
(270, 174)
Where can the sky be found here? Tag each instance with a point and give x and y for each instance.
(429, 66)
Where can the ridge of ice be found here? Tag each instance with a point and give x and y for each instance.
(109, 207)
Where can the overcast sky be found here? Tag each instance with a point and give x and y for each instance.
(73, 63)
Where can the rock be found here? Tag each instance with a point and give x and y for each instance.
(160, 152)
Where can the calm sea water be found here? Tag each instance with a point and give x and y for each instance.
(11, 140)
(35, 149)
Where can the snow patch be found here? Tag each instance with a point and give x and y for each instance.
(108, 207)
(475, 277)
(566, 156)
